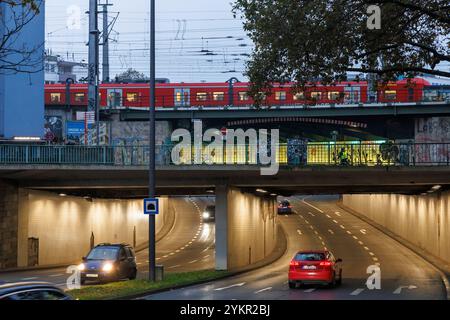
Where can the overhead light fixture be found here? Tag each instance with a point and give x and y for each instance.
(273, 194)
(63, 195)
(261, 190)
(209, 191)
(436, 187)
(26, 138)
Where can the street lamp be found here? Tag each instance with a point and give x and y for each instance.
(151, 163)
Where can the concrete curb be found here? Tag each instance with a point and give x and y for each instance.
(276, 254)
(432, 260)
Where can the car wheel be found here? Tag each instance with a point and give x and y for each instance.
(82, 282)
(133, 275)
(332, 284)
(292, 285)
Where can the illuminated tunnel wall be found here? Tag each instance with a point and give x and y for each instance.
(64, 225)
(422, 220)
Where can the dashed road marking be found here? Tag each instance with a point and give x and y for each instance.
(338, 214)
(355, 237)
(299, 232)
(30, 278)
(232, 286)
(262, 290)
(310, 290)
(330, 231)
(335, 221)
(193, 261)
(372, 254)
(363, 231)
(173, 267)
(342, 226)
(356, 292)
(366, 248)
(361, 243)
(349, 232)
(328, 216)
(311, 214)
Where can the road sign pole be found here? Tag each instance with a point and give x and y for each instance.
(152, 124)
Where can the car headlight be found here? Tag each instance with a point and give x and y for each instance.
(81, 267)
(107, 267)
(205, 215)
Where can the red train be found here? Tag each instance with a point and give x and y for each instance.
(136, 95)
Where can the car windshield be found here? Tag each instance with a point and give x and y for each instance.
(103, 253)
(310, 256)
(285, 203)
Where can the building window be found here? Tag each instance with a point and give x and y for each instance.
(218, 96)
(299, 96)
(132, 97)
(55, 97)
(280, 95)
(202, 96)
(243, 96)
(390, 94)
(316, 95)
(178, 97)
(79, 97)
(333, 95)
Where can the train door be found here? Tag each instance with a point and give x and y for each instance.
(114, 98)
(352, 95)
(182, 97)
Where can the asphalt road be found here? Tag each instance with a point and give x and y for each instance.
(317, 224)
(188, 246)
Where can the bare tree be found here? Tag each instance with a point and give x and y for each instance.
(16, 56)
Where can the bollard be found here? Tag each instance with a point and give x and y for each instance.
(159, 273)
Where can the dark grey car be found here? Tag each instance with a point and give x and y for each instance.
(31, 291)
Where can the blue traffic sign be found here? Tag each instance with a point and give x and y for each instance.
(151, 206)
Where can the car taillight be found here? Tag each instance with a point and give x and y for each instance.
(289, 207)
(294, 264)
(325, 263)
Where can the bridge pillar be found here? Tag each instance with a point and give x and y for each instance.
(222, 227)
(246, 227)
(9, 224)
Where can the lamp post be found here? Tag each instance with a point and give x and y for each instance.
(151, 163)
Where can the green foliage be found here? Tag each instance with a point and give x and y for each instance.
(128, 288)
(323, 40)
(131, 75)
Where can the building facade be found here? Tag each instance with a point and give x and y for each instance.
(22, 77)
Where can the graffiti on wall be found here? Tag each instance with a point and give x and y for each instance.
(433, 130)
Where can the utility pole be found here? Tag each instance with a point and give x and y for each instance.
(151, 162)
(93, 71)
(105, 60)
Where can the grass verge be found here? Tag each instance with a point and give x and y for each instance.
(116, 290)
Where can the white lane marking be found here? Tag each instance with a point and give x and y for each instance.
(330, 231)
(342, 226)
(310, 290)
(262, 290)
(57, 275)
(399, 289)
(173, 267)
(356, 292)
(366, 248)
(335, 221)
(363, 231)
(316, 232)
(361, 243)
(338, 214)
(27, 279)
(311, 214)
(206, 256)
(328, 216)
(158, 259)
(171, 254)
(307, 221)
(371, 253)
(312, 228)
(323, 243)
(355, 237)
(299, 232)
(374, 259)
(325, 248)
(229, 287)
(177, 251)
(312, 206)
(138, 263)
(349, 232)
(320, 238)
(193, 261)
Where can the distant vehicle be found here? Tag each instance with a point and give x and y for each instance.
(209, 214)
(109, 262)
(315, 267)
(31, 291)
(284, 207)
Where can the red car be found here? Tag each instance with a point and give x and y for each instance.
(315, 267)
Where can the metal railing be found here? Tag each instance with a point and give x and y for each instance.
(287, 154)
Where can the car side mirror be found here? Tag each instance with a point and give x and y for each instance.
(339, 260)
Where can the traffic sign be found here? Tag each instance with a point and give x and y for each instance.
(151, 206)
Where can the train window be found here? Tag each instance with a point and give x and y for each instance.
(299, 96)
(79, 97)
(317, 95)
(55, 97)
(280, 95)
(218, 96)
(202, 96)
(243, 96)
(390, 94)
(132, 97)
(333, 95)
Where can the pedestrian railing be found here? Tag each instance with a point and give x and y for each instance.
(286, 154)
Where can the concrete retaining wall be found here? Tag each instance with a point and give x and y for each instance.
(252, 228)
(8, 225)
(422, 220)
(64, 225)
